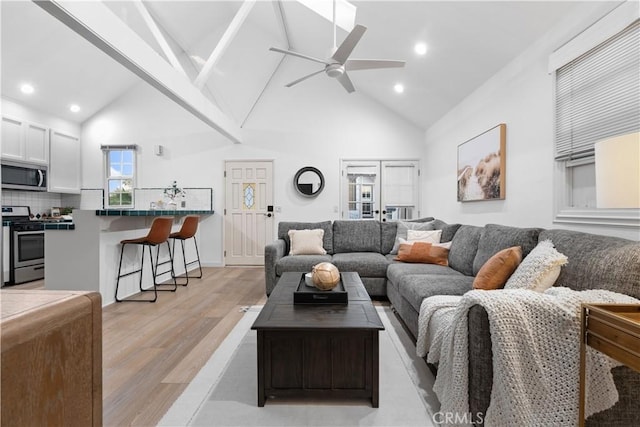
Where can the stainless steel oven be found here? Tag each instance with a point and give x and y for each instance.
(26, 250)
(27, 263)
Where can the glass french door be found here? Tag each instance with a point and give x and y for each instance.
(384, 190)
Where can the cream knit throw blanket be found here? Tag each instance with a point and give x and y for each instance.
(536, 356)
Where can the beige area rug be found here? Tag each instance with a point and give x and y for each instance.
(224, 393)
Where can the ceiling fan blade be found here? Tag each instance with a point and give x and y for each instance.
(347, 46)
(295, 82)
(299, 55)
(345, 81)
(368, 64)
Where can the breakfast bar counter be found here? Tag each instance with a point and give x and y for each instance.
(148, 212)
(86, 257)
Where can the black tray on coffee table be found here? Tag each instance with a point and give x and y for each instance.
(305, 294)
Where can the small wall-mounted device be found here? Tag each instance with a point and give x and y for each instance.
(158, 150)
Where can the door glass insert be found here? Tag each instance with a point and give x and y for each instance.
(248, 191)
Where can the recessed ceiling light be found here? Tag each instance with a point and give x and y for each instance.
(74, 108)
(27, 89)
(399, 88)
(420, 48)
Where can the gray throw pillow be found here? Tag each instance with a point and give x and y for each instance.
(404, 227)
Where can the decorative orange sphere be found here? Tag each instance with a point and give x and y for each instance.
(325, 276)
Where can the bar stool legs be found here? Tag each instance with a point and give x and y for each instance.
(188, 231)
(186, 275)
(155, 293)
(158, 234)
(170, 270)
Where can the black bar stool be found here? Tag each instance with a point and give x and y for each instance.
(188, 231)
(158, 234)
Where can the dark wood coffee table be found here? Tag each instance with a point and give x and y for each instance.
(318, 351)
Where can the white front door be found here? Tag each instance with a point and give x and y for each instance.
(248, 214)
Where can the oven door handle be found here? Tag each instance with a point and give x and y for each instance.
(41, 177)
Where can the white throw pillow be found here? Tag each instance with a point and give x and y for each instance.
(404, 227)
(306, 242)
(446, 245)
(426, 236)
(539, 270)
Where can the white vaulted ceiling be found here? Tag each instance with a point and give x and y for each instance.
(468, 43)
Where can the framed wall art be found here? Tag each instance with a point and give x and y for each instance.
(481, 166)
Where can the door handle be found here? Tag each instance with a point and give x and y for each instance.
(41, 178)
(269, 215)
(377, 211)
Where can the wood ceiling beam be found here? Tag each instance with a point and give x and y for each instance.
(157, 34)
(224, 42)
(97, 24)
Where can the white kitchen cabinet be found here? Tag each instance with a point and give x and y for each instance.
(24, 141)
(64, 163)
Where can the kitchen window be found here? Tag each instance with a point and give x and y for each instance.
(120, 174)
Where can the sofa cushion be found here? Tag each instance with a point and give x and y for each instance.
(403, 230)
(356, 236)
(597, 262)
(425, 236)
(387, 236)
(448, 230)
(539, 270)
(424, 253)
(414, 288)
(327, 239)
(367, 264)
(306, 242)
(301, 263)
(495, 238)
(497, 270)
(463, 249)
(399, 269)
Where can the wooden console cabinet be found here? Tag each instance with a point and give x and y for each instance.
(612, 329)
(51, 344)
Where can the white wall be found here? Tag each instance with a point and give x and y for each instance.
(313, 124)
(520, 95)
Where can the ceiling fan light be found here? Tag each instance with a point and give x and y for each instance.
(420, 48)
(335, 70)
(398, 88)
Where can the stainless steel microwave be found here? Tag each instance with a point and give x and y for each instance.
(22, 176)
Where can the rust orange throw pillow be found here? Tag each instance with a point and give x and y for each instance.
(424, 253)
(497, 270)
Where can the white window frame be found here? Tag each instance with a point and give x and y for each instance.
(107, 149)
(610, 25)
(378, 198)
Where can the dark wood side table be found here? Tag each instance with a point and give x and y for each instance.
(318, 351)
(613, 329)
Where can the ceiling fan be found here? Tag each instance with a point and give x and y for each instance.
(339, 63)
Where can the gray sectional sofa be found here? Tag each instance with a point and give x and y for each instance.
(595, 262)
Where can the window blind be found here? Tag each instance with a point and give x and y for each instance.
(118, 147)
(598, 95)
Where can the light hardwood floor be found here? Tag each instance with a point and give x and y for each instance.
(152, 351)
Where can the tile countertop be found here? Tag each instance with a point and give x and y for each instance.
(157, 212)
